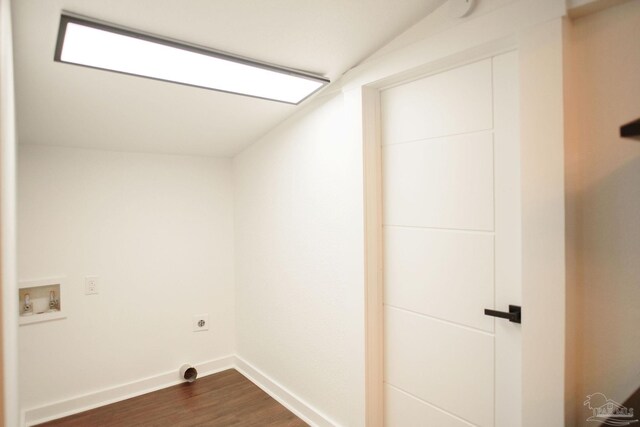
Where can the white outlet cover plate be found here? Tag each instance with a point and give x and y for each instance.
(460, 8)
(91, 285)
(196, 322)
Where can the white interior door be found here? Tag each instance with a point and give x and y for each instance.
(451, 231)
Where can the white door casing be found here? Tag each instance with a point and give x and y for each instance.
(452, 246)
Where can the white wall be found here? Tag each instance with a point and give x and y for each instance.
(605, 192)
(299, 242)
(299, 219)
(299, 260)
(158, 231)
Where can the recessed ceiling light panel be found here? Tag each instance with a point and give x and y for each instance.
(97, 45)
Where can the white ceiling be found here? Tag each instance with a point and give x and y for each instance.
(62, 104)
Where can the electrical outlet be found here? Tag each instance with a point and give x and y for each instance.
(201, 322)
(91, 285)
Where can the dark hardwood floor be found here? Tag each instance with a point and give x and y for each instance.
(223, 399)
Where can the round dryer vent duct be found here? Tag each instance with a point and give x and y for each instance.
(188, 373)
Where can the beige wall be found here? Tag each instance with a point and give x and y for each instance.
(603, 176)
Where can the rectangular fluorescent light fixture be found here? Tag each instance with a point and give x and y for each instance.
(97, 45)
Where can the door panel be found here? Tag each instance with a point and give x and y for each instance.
(448, 366)
(454, 174)
(439, 273)
(463, 102)
(451, 231)
(404, 410)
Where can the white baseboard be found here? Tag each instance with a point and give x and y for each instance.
(289, 400)
(92, 400)
(67, 407)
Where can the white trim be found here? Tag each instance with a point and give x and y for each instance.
(288, 399)
(374, 290)
(543, 228)
(531, 28)
(281, 394)
(374, 250)
(8, 270)
(459, 37)
(455, 60)
(93, 400)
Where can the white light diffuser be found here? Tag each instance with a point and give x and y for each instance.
(97, 45)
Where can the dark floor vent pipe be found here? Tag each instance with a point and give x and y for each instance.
(188, 373)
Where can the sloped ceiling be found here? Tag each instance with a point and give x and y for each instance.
(62, 104)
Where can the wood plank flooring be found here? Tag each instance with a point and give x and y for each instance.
(223, 399)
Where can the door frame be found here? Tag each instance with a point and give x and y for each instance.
(542, 203)
(9, 407)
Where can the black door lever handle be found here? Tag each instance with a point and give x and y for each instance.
(514, 315)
